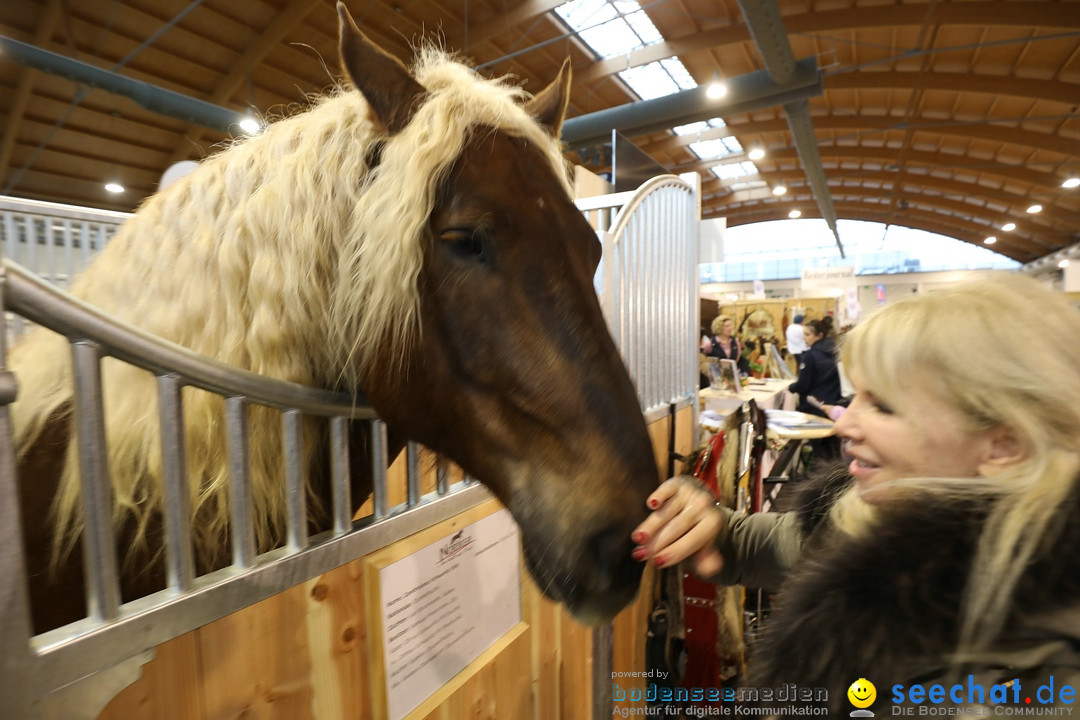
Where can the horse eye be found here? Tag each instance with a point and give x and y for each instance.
(464, 242)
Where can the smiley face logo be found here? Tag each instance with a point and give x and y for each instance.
(862, 693)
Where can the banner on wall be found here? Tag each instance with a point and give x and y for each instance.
(828, 278)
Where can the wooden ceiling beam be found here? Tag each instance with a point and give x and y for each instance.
(45, 27)
(1031, 227)
(284, 22)
(978, 14)
(863, 126)
(953, 228)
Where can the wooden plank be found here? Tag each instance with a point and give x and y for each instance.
(256, 661)
(168, 689)
(336, 625)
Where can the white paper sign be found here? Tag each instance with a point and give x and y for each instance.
(445, 604)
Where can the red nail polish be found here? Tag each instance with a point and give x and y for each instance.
(639, 553)
(654, 504)
(660, 560)
(639, 537)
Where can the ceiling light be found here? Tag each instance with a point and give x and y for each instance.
(1071, 183)
(1064, 263)
(1008, 227)
(1034, 209)
(114, 187)
(779, 190)
(756, 154)
(716, 90)
(990, 240)
(250, 125)
(794, 214)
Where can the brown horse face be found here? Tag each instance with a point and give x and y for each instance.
(515, 376)
(515, 345)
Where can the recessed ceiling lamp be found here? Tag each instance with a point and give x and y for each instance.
(1008, 227)
(1071, 183)
(717, 89)
(794, 214)
(1064, 263)
(1034, 209)
(114, 187)
(990, 240)
(250, 125)
(756, 153)
(779, 190)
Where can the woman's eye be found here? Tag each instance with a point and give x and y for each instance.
(464, 242)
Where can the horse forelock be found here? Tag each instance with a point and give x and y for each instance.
(375, 308)
(284, 255)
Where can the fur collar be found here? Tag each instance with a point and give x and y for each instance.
(886, 608)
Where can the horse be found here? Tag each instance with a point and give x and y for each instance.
(410, 237)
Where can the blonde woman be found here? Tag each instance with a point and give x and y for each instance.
(948, 551)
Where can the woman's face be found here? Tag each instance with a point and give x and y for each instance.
(925, 438)
(727, 328)
(810, 336)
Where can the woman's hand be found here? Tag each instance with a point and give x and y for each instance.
(684, 523)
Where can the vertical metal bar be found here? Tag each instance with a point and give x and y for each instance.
(179, 560)
(295, 480)
(84, 244)
(69, 254)
(339, 474)
(18, 668)
(412, 473)
(442, 482)
(99, 546)
(603, 666)
(379, 451)
(243, 529)
(31, 244)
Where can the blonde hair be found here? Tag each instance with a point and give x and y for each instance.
(718, 323)
(1002, 352)
(285, 255)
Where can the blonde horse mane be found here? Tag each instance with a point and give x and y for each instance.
(283, 255)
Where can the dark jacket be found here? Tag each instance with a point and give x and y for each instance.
(733, 351)
(818, 376)
(886, 608)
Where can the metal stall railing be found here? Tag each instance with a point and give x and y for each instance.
(53, 241)
(648, 287)
(71, 672)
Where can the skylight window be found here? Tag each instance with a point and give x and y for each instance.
(709, 149)
(658, 78)
(609, 27)
(699, 127)
(730, 171)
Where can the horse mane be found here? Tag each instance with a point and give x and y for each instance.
(286, 255)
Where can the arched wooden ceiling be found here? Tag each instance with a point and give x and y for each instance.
(948, 116)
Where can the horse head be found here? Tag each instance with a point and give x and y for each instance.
(506, 365)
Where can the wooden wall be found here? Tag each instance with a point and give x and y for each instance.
(305, 654)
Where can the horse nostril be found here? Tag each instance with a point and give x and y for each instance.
(611, 557)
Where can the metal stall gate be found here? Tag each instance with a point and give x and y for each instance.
(73, 671)
(648, 286)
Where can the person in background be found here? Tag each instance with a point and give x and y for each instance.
(723, 344)
(945, 552)
(818, 374)
(796, 344)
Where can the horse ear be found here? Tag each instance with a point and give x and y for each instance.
(549, 105)
(384, 81)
